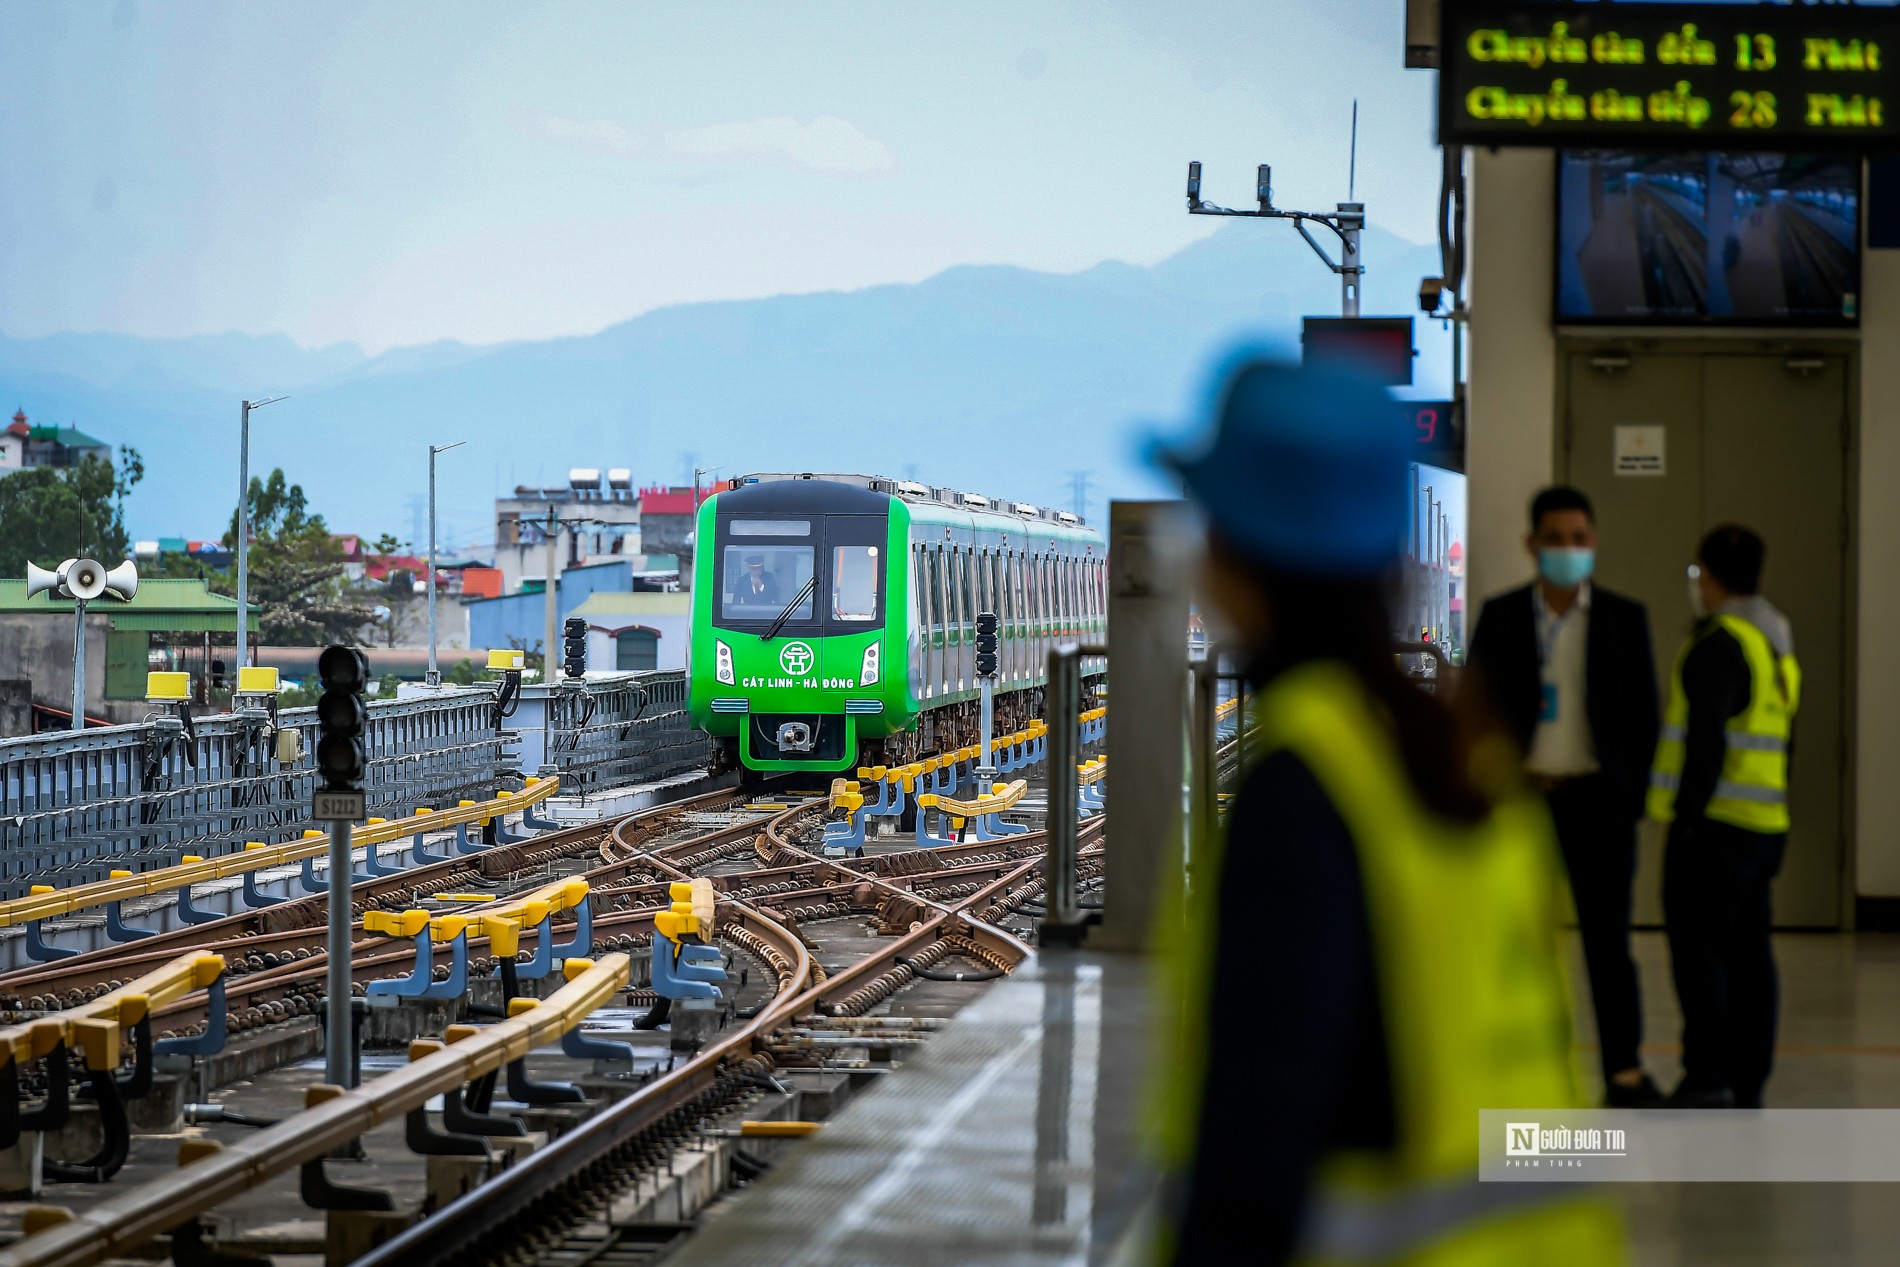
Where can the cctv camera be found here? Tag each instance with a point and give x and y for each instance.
(1430, 291)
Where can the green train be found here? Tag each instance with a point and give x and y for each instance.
(833, 619)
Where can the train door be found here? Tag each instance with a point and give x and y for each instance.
(960, 613)
(933, 630)
(1670, 444)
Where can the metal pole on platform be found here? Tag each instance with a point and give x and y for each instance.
(553, 634)
(244, 520)
(1203, 794)
(1063, 705)
(985, 767)
(435, 675)
(79, 664)
(338, 1068)
(1352, 222)
(243, 524)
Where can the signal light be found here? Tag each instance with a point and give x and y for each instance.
(574, 646)
(342, 760)
(986, 646)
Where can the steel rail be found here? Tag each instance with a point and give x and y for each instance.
(121, 1224)
(509, 1198)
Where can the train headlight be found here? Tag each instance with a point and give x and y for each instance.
(722, 663)
(868, 671)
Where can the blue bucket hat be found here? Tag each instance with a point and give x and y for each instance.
(1306, 471)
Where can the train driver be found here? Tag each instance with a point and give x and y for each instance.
(757, 585)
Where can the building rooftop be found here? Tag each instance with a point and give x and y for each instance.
(635, 603)
(70, 437)
(160, 606)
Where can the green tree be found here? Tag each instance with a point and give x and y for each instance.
(52, 513)
(295, 570)
(463, 674)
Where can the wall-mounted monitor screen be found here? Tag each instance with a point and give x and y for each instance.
(1701, 238)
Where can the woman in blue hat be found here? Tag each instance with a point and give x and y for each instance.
(1372, 959)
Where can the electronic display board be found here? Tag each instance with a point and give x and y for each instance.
(1438, 434)
(1379, 347)
(1669, 76)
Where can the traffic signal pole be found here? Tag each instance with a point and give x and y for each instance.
(986, 668)
(338, 1067)
(342, 763)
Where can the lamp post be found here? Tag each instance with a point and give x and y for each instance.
(435, 674)
(244, 519)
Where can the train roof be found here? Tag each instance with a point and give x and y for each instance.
(772, 490)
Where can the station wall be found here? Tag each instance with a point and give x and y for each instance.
(1512, 450)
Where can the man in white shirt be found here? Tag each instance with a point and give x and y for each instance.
(1567, 665)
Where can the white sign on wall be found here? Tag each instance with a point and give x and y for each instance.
(1639, 451)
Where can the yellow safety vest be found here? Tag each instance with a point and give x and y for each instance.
(1465, 941)
(1752, 790)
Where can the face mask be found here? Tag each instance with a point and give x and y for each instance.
(1566, 568)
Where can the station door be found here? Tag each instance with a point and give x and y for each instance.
(1751, 438)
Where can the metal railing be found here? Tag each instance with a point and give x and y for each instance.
(624, 728)
(75, 806)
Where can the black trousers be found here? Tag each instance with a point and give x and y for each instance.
(1599, 848)
(1717, 909)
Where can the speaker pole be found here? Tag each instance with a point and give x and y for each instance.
(79, 664)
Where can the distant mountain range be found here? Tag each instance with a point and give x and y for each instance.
(993, 379)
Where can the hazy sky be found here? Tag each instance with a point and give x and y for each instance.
(397, 173)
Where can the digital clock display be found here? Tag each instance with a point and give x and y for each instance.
(1669, 76)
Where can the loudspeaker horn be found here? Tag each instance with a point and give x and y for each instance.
(86, 579)
(39, 580)
(122, 582)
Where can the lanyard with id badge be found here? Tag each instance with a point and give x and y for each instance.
(1547, 627)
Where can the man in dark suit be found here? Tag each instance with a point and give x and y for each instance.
(1568, 667)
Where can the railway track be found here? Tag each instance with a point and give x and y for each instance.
(942, 907)
(943, 903)
(276, 955)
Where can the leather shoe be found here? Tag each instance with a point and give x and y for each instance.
(1687, 1096)
(1643, 1095)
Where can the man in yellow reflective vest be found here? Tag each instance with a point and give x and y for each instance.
(1370, 957)
(1721, 783)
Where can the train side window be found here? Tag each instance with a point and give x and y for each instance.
(940, 582)
(934, 589)
(967, 571)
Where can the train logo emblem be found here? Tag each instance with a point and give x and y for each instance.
(796, 658)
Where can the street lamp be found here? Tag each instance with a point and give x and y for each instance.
(244, 518)
(435, 675)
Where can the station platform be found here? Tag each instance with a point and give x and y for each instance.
(1009, 1139)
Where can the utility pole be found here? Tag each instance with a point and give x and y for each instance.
(244, 520)
(435, 674)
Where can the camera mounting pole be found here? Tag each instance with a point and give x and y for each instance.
(1348, 220)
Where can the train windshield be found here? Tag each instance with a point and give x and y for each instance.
(854, 583)
(760, 580)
